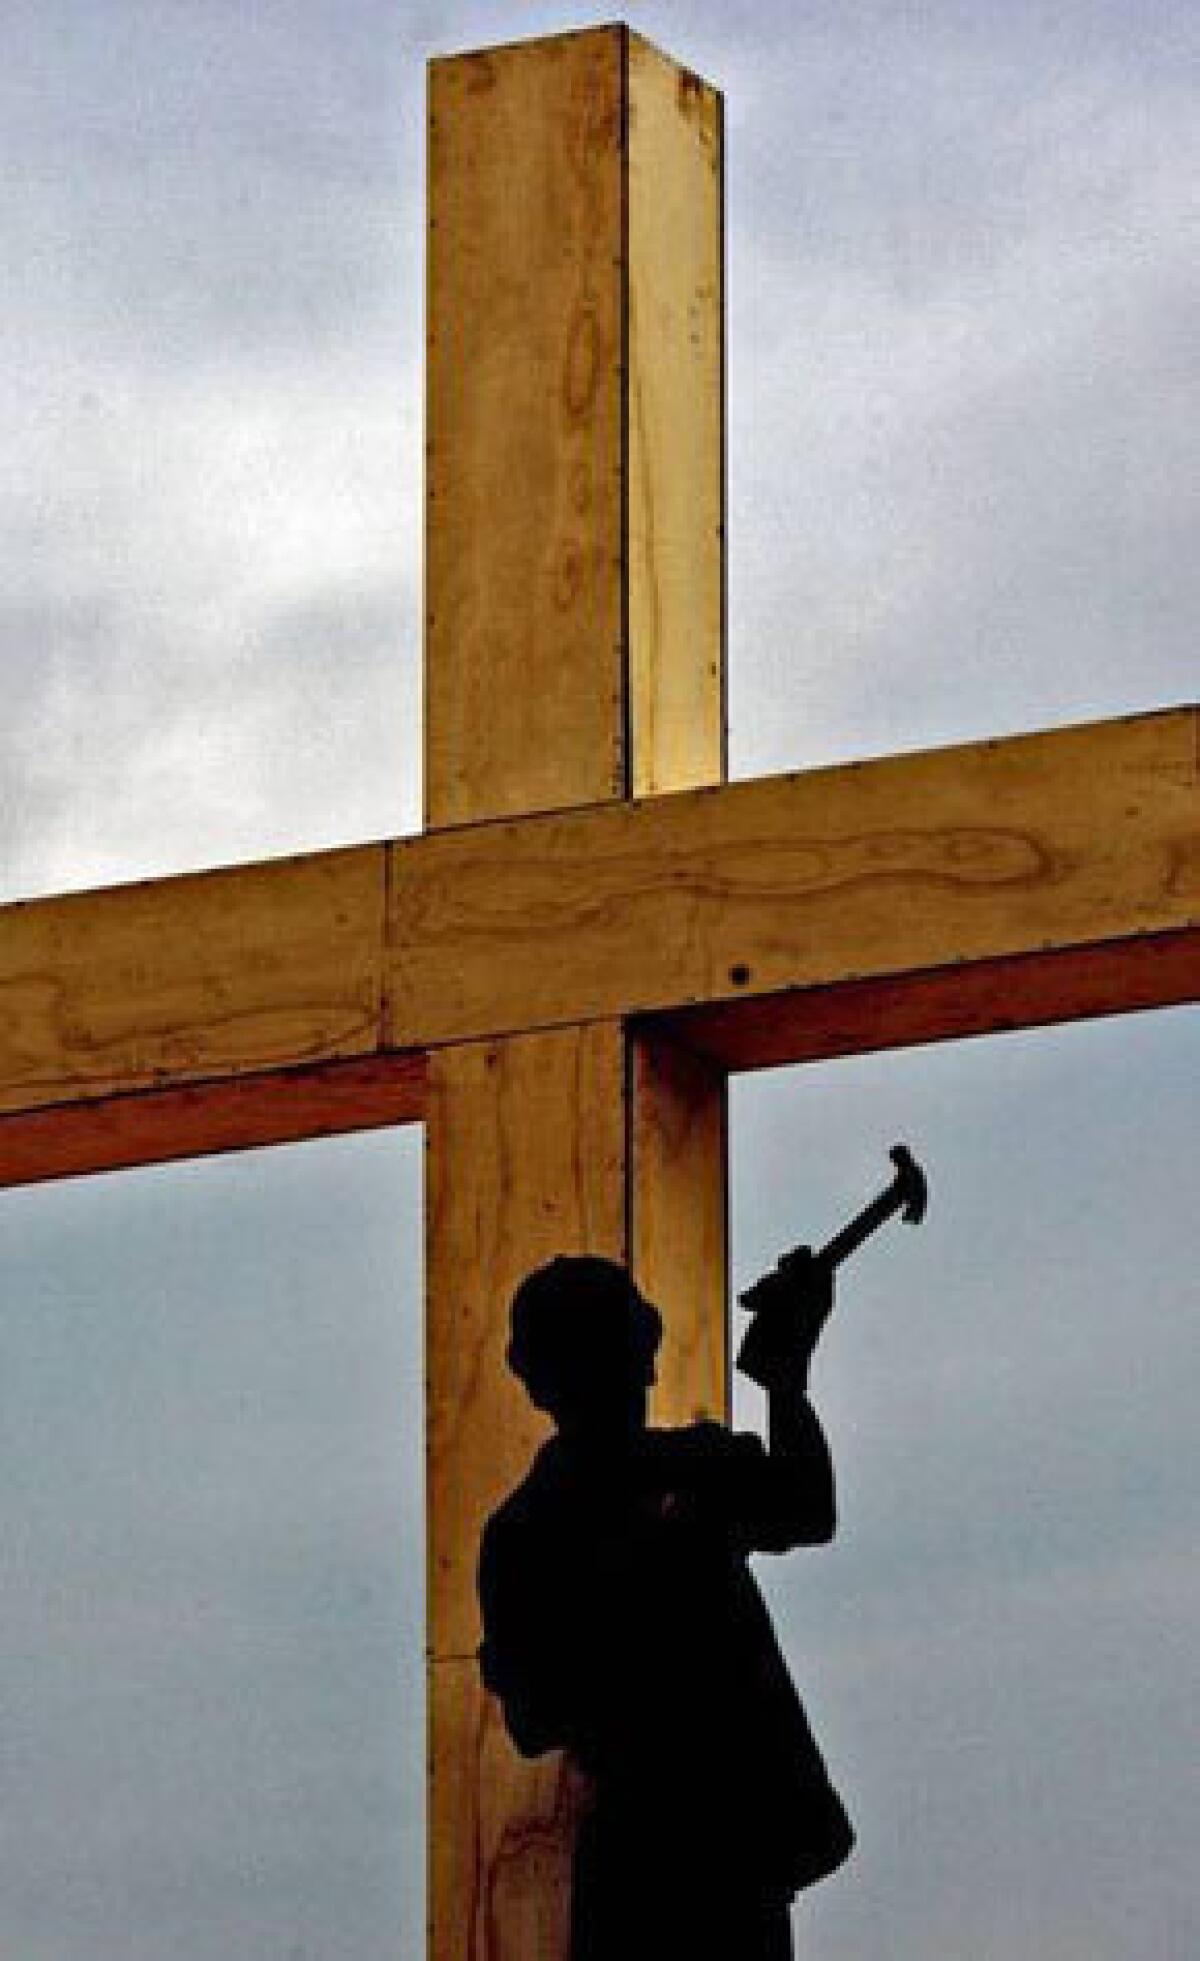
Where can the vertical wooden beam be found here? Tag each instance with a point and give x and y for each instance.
(678, 1240)
(524, 482)
(525, 1158)
(675, 425)
(574, 428)
(574, 649)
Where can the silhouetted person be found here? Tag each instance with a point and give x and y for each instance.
(622, 1624)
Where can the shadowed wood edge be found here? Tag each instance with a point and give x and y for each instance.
(282, 1106)
(1159, 970)
(945, 1004)
(700, 906)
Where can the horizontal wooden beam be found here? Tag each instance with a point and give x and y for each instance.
(950, 892)
(987, 997)
(208, 976)
(1036, 846)
(283, 1106)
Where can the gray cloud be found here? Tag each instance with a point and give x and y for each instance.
(999, 1646)
(212, 1679)
(964, 438)
(196, 633)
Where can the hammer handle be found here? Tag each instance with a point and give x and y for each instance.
(859, 1228)
(864, 1223)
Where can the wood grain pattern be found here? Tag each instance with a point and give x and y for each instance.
(1041, 844)
(575, 348)
(537, 1145)
(525, 1158)
(574, 644)
(501, 1831)
(524, 498)
(1037, 849)
(675, 410)
(679, 1225)
(214, 974)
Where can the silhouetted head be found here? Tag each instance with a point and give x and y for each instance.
(583, 1343)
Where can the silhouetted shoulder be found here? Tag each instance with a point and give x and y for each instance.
(730, 1476)
(527, 1501)
(516, 1535)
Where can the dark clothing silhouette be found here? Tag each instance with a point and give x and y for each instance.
(622, 1624)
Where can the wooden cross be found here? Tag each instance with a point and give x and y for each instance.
(557, 976)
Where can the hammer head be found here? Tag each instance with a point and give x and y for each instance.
(911, 1189)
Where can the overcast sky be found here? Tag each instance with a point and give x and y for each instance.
(963, 320)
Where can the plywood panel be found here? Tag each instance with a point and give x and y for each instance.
(575, 427)
(676, 414)
(1055, 841)
(524, 553)
(679, 1223)
(501, 1832)
(224, 973)
(526, 1157)
(551, 582)
(1028, 850)
(560, 1142)
(1159, 970)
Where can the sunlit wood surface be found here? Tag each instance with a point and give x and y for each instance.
(574, 651)
(959, 891)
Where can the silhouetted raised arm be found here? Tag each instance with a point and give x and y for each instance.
(796, 1445)
(793, 1306)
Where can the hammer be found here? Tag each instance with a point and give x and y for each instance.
(907, 1194)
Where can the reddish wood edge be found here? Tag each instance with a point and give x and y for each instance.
(281, 1106)
(944, 1004)
(766, 1031)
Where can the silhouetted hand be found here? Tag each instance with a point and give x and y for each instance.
(790, 1307)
